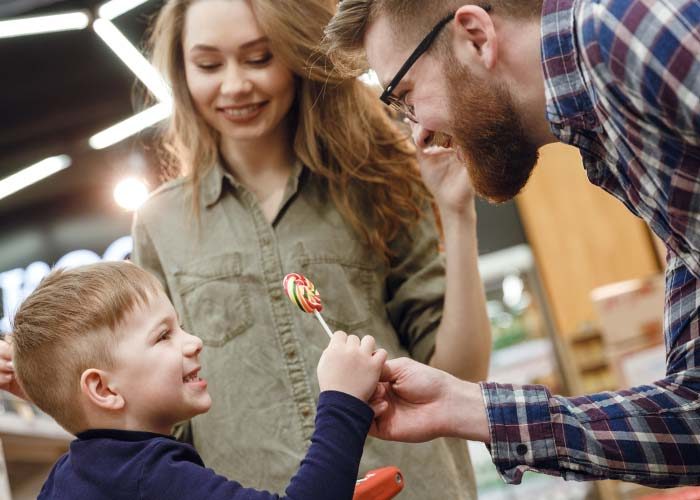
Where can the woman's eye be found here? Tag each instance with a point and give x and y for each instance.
(259, 61)
(208, 66)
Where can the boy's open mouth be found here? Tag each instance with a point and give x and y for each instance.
(193, 376)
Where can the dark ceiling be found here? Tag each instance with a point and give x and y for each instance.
(56, 91)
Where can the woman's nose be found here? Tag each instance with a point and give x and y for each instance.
(236, 82)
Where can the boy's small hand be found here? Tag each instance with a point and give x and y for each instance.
(351, 365)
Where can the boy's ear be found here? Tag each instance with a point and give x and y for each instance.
(475, 37)
(94, 384)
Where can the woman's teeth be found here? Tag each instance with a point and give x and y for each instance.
(238, 112)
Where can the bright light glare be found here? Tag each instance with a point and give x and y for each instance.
(134, 60)
(370, 78)
(130, 126)
(33, 173)
(115, 8)
(43, 24)
(130, 193)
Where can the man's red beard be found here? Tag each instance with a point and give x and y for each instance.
(486, 127)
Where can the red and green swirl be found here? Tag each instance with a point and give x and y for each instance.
(302, 292)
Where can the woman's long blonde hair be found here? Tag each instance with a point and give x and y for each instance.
(343, 133)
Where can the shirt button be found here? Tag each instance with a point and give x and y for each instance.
(291, 354)
(305, 411)
(521, 449)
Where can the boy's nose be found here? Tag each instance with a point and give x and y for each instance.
(193, 345)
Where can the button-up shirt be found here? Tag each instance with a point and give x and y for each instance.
(224, 275)
(622, 81)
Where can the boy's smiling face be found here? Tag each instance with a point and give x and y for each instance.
(157, 368)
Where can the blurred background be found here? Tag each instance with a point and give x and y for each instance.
(573, 281)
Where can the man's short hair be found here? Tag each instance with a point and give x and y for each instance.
(67, 325)
(412, 20)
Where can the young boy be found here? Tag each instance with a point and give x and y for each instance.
(99, 348)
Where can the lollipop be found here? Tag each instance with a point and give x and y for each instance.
(304, 294)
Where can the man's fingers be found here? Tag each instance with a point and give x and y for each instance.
(379, 407)
(392, 369)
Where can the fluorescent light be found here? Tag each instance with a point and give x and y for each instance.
(125, 51)
(32, 174)
(130, 126)
(43, 24)
(115, 8)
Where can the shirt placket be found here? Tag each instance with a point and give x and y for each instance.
(273, 274)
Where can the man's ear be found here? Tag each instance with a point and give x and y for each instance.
(475, 37)
(94, 384)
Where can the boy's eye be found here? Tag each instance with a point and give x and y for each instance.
(164, 335)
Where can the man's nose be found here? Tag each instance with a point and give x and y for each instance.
(421, 136)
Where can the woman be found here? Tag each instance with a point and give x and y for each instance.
(285, 168)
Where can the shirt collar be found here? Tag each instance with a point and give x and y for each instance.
(568, 100)
(119, 435)
(212, 183)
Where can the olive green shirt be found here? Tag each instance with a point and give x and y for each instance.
(224, 276)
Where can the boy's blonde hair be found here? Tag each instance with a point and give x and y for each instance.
(68, 325)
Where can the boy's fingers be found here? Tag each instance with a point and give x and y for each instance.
(380, 356)
(368, 344)
(353, 340)
(339, 337)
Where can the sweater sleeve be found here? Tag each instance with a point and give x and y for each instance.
(174, 470)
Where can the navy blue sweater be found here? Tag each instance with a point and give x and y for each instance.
(130, 465)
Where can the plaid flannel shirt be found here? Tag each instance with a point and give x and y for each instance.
(622, 80)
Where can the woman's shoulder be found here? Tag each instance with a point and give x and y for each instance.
(170, 197)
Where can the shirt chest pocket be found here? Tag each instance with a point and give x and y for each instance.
(347, 276)
(213, 296)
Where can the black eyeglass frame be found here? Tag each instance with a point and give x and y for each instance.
(391, 100)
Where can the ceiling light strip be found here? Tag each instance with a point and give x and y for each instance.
(134, 60)
(116, 8)
(32, 174)
(43, 24)
(130, 126)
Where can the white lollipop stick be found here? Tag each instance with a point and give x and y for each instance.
(323, 323)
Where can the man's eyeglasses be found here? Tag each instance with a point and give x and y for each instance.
(397, 103)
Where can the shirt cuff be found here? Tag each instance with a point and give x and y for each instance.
(347, 402)
(520, 425)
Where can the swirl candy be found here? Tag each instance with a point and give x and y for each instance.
(303, 293)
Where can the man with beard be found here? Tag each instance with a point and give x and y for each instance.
(618, 79)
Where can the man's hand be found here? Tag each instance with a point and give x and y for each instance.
(8, 380)
(443, 173)
(416, 403)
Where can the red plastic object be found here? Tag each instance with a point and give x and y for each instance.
(688, 493)
(379, 484)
